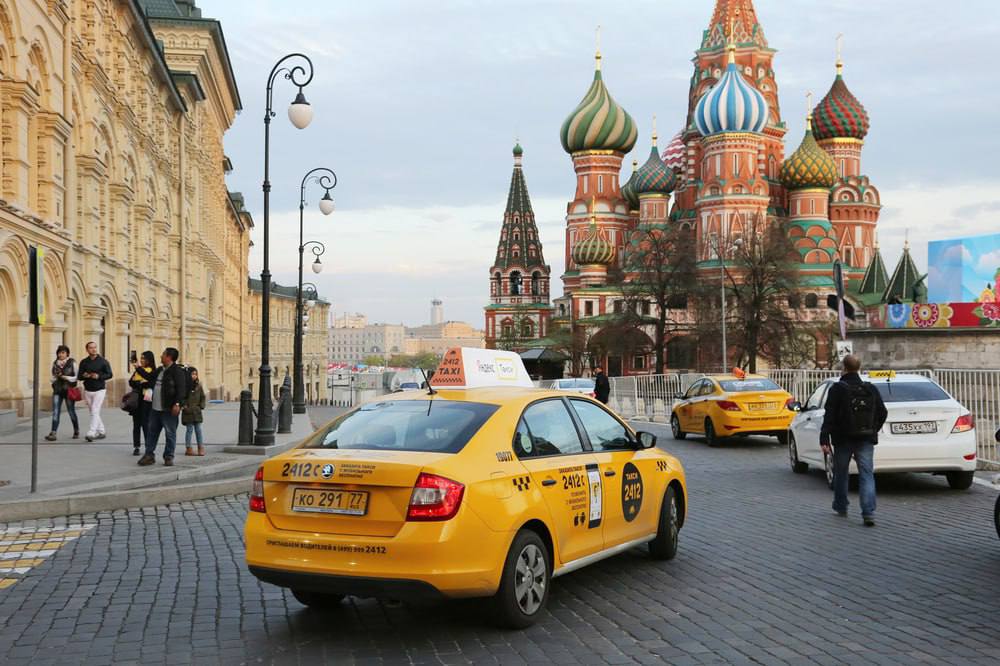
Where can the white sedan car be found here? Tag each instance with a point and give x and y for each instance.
(927, 431)
(574, 385)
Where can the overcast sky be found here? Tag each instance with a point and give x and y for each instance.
(418, 103)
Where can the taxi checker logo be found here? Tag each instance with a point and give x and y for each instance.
(327, 471)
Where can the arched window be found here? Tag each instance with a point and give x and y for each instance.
(515, 283)
(507, 328)
(536, 280)
(812, 301)
(527, 329)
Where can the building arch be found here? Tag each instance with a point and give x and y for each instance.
(10, 30)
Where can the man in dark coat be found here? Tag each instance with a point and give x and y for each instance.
(169, 391)
(854, 415)
(602, 387)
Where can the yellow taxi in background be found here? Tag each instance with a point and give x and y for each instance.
(484, 487)
(720, 406)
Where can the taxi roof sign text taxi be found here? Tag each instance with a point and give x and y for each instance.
(469, 367)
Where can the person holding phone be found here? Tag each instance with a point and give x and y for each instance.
(141, 384)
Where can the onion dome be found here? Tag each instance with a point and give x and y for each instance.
(731, 105)
(654, 177)
(598, 123)
(675, 154)
(518, 150)
(628, 189)
(840, 115)
(809, 166)
(594, 248)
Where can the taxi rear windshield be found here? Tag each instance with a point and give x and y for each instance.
(575, 383)
(436, 426)
(747, 385)
(911, 392)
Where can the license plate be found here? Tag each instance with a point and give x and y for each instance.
(914, 428)
(761, 406)
(344, 502)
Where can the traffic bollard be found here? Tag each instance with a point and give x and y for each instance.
(245, 437)
(285, 406)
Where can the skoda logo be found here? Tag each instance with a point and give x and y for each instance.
(327, 471)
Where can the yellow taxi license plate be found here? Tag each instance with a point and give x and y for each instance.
(761, 406)
(344, 502)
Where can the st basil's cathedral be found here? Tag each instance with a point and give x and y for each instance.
(722, 176)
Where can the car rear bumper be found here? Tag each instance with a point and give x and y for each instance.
(358, 586)
(892, 455)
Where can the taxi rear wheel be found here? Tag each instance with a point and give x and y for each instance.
(524, 584)
(664, 545)
(711, 438)
(318, 600)
(675, 427)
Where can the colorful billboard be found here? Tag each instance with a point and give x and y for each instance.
(964, 270)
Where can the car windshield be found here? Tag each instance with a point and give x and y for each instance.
(409, 385)
(438, 426)
(748, 385)
(911, 392)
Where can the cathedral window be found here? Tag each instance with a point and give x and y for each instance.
(812, 301)
(585, 184)
(736, 164)
(527, 330)
(588, 308)
(600, 184)
(515, 283)
(843, 168)
(536, 279)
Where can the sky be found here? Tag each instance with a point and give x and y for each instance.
(417, 106)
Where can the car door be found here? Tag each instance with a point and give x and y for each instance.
(702, 405)
(685, 409)
(808, 424)
(549, 445)
(631, 490)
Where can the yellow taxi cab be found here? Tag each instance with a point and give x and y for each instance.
(720, 406)
(481, 486)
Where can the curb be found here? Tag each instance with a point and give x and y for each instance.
(76, 504)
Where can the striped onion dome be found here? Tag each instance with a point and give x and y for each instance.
(594, 248)
(675, 154)
(731, 105)
(598, 123)
(628, 189)
(840, 115)
(654, 177)
(809, 166)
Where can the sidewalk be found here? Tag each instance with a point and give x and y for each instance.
(76, 468)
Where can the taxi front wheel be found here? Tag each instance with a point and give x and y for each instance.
(664, 545)
(524, 584)
(317, 600)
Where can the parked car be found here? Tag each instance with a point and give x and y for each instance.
(574, 385)
(722, 406)
(927, 431)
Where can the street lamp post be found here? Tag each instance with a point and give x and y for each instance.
(300, 114)
(722, 284)
(298, 384)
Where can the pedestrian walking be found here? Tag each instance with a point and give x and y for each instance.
(854, 415)
(192, 416)
(169, 391)
(602, 387)
(141, 382)
(94, 371)
(63, 380)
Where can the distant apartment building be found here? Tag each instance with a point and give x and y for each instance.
(438, 338)
(353, 344)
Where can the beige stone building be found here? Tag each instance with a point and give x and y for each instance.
(314, 341)
(111, 159)
(439, 338)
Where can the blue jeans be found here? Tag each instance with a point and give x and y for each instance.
(863, 454)
(194, 428)
(58, 399)
(166, 422)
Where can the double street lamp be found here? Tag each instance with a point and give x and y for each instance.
(327, 179)
(300, 114)
(721, 253)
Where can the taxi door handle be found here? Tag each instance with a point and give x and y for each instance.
(609, 472)
(549, 482)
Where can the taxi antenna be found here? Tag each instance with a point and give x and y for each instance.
(427, 382)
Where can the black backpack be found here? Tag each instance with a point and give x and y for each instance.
(860, 410)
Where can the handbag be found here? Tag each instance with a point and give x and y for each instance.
(73, 394)
(130, 402)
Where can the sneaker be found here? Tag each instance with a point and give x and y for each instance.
(146, 459)
(168, 462)
(51, 437)
(100, 435)
(76, 434)
(135, 451)
(869, 521)
(89, 438)
(841, 514)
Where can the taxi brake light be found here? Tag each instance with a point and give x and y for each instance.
(729, 406)
(257, 492)
(434, 498)
(965, 423)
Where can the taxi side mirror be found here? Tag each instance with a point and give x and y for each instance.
(679, 396)
(647, 440)
(795, 406)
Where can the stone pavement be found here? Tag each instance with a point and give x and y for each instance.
(70, 466)
(765, 574)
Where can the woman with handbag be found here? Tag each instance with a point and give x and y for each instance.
(140, 400)
(64, 390)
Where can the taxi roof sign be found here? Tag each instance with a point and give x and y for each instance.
(469, 367)
(882, 374)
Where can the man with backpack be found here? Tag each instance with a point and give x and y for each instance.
(854, 415)
(170, 390)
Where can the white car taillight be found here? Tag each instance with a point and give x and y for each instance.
(964, 423)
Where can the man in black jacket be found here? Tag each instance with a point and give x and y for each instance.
(169, 391)
(854, 415)
(94, 371)
(602, 387)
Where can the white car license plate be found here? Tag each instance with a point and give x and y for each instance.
(914, 428)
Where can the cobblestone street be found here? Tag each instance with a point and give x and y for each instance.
(765, 574)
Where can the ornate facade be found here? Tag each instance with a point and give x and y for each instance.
(111, 159)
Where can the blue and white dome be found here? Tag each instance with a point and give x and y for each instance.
(731, 105)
